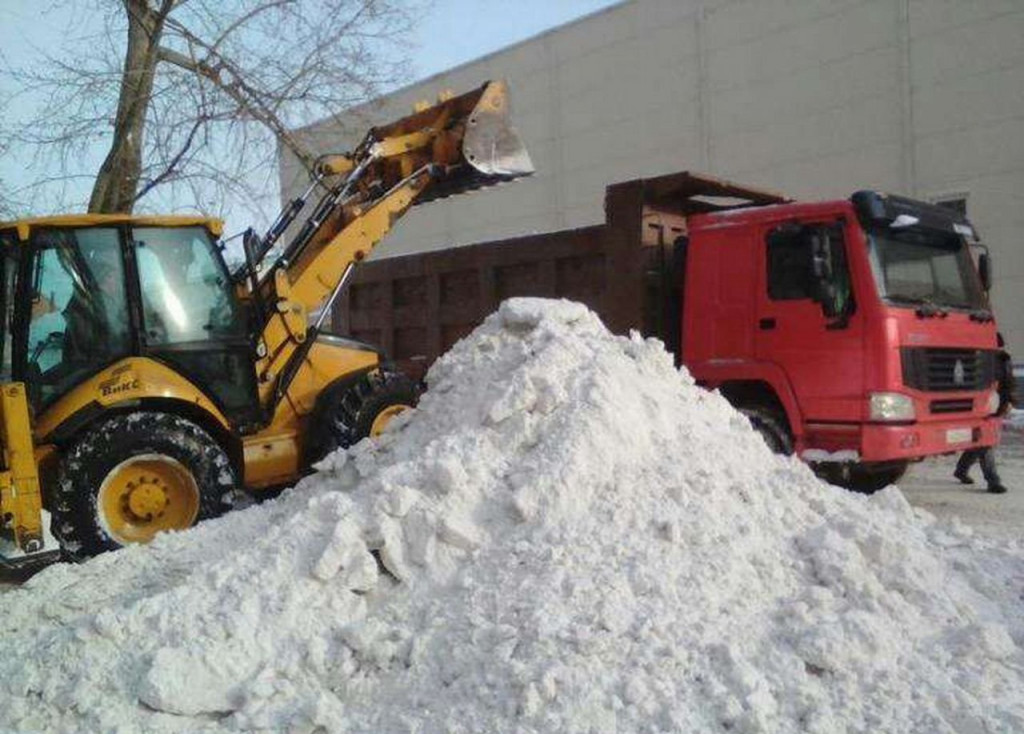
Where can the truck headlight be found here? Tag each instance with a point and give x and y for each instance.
(891, 406)
(993, 402)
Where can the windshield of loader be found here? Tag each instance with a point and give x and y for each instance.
(918, 266)
(186, 292)
(191, 318)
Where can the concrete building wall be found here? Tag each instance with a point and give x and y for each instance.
(816, 98)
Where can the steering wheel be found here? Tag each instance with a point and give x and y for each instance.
(55, 339)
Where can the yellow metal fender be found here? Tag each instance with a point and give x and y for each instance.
(274, 455)
(132, 378)
(328, 360)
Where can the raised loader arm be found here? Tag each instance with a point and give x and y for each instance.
(458, 144)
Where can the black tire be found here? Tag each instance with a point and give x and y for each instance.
(772, 427)
(863, 478)
(345, 412)
(132, 437)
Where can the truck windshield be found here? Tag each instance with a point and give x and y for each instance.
(917, 267)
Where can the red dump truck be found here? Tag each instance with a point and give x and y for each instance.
(855, 332)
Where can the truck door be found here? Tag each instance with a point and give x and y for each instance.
(821, 355)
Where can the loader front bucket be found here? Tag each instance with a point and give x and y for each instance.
(466, 140)
(491, 145)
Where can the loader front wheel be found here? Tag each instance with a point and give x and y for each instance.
(135, 475)
(350, 411)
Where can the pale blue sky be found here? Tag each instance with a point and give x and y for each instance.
(451, 33)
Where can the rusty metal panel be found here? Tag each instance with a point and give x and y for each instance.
(459, 287)
(417, 306)
(409, 292)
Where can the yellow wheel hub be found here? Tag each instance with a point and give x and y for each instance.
(385, 417)
(147, 501)
(145, 495)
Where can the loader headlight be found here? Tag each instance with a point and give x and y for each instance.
(891, 406)
(993, 402)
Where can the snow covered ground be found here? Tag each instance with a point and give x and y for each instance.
(931, 486)
(566, 536)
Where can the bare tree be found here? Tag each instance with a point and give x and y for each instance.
(7, 205)
(197, 95)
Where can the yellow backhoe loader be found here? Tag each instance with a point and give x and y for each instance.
(144, 382)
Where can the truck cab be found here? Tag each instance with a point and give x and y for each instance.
(855, 333)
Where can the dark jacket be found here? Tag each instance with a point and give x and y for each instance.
(1004, 375)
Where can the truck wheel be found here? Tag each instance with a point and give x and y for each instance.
(351, 410)
(865, 478)
(135, 475)
(772, 428)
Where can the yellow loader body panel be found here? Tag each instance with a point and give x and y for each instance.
(274, 455)
(231, 380)
(131, 380)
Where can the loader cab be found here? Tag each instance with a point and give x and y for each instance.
(91, 293)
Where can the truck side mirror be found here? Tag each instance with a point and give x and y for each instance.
(985, 271)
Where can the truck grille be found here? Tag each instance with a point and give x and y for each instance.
(952, 406)
(940, 369)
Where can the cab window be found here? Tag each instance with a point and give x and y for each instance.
(186, 293)
(789, 265)
(78, 319)
(790, 257)
(191, 318)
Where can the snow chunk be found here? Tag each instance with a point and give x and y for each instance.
(904, 220)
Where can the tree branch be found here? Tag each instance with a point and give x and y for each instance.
(171, 167)
(209, 100)
(247, 98)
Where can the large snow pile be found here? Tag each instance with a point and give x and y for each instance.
(577, 539)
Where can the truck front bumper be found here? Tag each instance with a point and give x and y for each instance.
(881, 442)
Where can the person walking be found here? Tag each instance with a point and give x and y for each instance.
(986, 455)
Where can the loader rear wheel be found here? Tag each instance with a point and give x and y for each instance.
(135, 475)
(352, 410)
